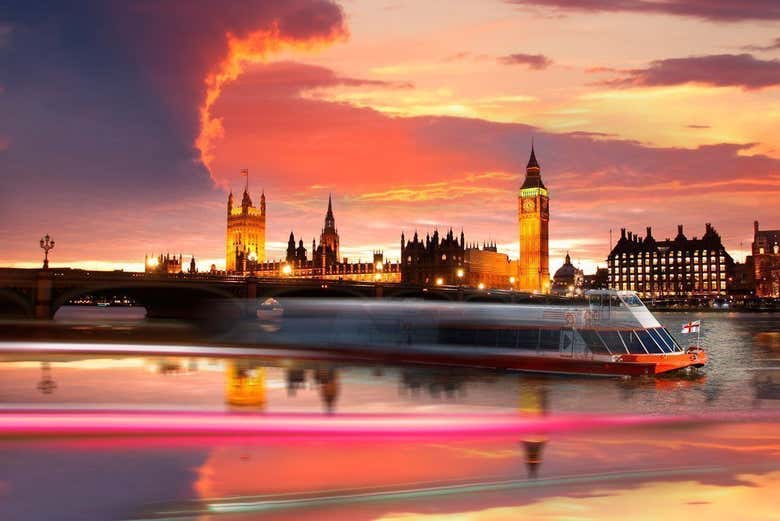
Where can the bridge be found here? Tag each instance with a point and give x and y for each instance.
(39, 293)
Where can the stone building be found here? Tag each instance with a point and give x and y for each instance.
(245, 240)
(568, 279)
(766, 261)
(672, 267)
(324, 262)
(533, 215)
(170, 264)
(488, 268)
(435, 260)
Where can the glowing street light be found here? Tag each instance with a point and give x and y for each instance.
(481, 285)
(286, 269)
(439, 281)
(460, 273)
(512, 280)
(47, 243)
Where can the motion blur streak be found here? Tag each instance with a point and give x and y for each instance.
(110, 423)
(153, 349)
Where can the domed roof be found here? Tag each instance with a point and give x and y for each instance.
(567, 271)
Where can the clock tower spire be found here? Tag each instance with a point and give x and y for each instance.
(533, 218)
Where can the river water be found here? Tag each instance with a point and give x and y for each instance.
(720, 470)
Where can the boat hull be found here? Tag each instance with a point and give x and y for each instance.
(553, 363)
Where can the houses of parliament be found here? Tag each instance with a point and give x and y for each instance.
(437, 259)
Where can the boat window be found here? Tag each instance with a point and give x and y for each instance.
(593, 341)
(632, 301)
(507, 337)
(550, 339)
(528, 339)
(612, 339)
(632, 343)
(655, 333)
(670, 339)
(648, 342)
(457, 335)
(486, 337)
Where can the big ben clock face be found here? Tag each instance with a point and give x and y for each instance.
(529, 205)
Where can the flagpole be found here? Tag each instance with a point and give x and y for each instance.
(698, 335)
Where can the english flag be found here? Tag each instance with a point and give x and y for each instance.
(691, 327)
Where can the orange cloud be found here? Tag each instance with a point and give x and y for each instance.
(254, 48)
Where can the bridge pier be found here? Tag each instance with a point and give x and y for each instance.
(43, 294)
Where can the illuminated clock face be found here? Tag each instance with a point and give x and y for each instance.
(529, 205)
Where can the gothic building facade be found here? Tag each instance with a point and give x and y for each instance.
(245, 241)
(435, 260)
(533, 214)
(672, 267)
(324, 261)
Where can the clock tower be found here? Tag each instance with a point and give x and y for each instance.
(533, 215)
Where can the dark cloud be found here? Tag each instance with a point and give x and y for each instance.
(722, 70)
(712, 10)
(698, 127)
(771, 47)
(101, 99)
(532, 61)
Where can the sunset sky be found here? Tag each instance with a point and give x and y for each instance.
(123, 125)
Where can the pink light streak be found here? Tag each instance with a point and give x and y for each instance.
(49, 424)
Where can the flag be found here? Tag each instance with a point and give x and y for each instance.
(691, 327)
(245, 172)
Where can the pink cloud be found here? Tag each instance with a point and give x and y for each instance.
(722, 70)
(532, 61)
(400, 173)
(712, 10)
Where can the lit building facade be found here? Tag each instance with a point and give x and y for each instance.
(169, 264)
(766, 261)
(245, 240)
(487, 267)
(448, 260)
(533, 217)
(673, 267)
(435, 260)
(324, 262)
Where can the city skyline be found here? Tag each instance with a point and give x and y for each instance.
(395, 119)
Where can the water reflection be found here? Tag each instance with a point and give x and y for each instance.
(46, 385)
(533, 404)
(245, 384)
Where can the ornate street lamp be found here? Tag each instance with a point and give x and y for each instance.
(47, 243)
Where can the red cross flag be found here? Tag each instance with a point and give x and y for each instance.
(691, 327)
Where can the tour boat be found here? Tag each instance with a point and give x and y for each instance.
(606, 333)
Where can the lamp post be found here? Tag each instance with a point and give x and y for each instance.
(47, 243)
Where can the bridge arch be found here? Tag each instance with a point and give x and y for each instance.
(168, 299)
(14, 303)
